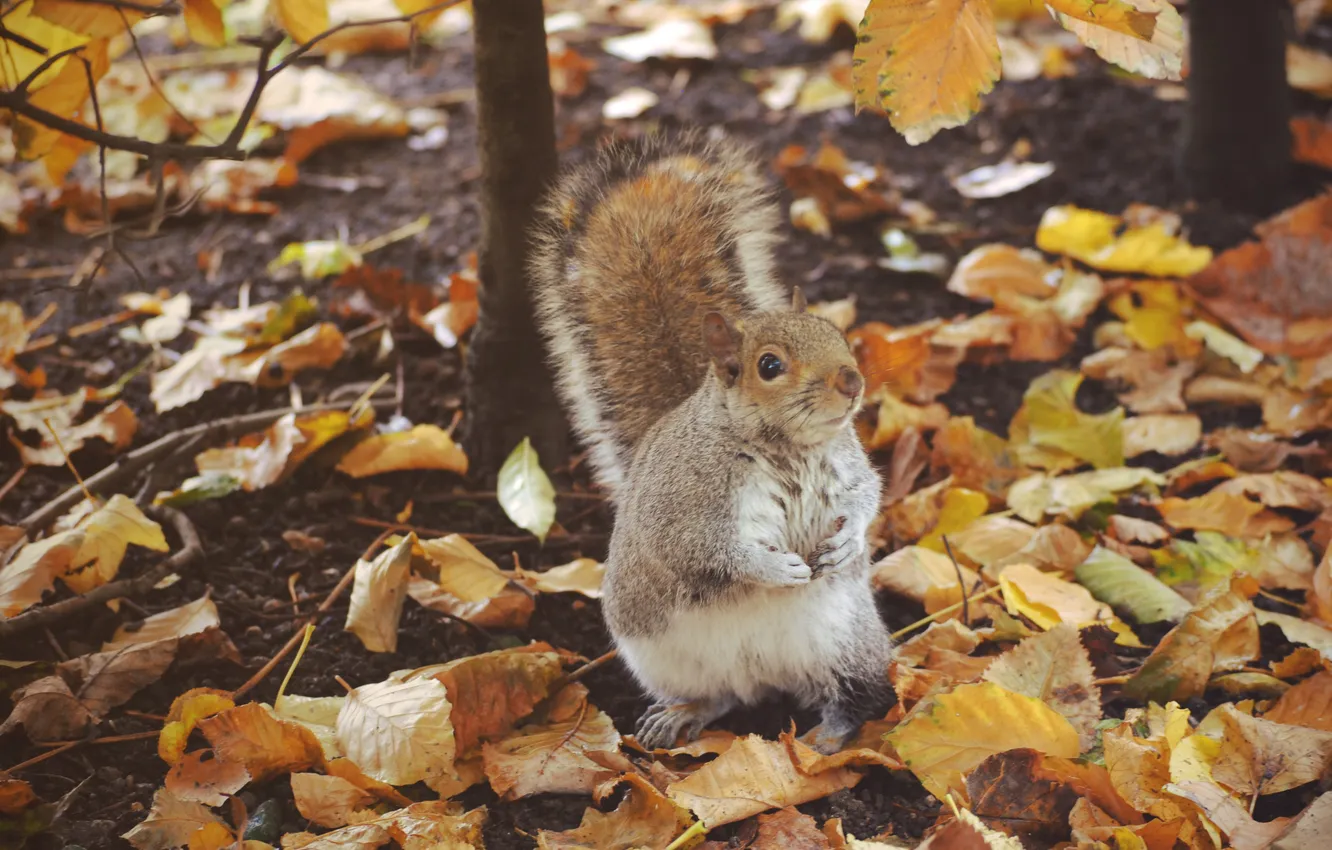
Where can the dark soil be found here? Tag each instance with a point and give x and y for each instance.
(1112, 143)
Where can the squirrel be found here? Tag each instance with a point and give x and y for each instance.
(717, 413)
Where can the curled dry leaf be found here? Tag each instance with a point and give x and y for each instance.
(1219, 634)
(991, 269)
(1166, 433)
(1055, 668)
(1229, 815)
(190, 618)
(564, 757)
(379, 591)
(202, 777)
(252, 736)
(48, 711)
(1025, 794)
(511, 609)
(422, 447)
(33, 570)
(115, 425)
(186, 712)
(1053, 421)
(463, 570)
(583, 575)
(753, 776)
(329, 801)
(922, 575)
(171, 823)
(644, 818)
(399, 732)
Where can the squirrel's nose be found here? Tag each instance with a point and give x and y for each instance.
(848, 382)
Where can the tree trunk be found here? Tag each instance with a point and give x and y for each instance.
(509, 389)
(1237, 133)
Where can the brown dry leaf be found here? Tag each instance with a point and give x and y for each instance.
(379, 591)
(48, 711)
(789, 829)
(491, 692)
(753, 776)
(1166, 433)
(645, 818)
(115, 425)
(893, 418)
(964, 832)
(913, 517)
(927, 66)
(510, 610)
(202, 777)
(329, 801)
(257, 461)
(948, 635)
(991, 538)
(448, 322)
(104, 680)
(992, 269)
(564, 757)
(1309, 704)
(318, 347)
(974, 457)
(947, 738)
(1140, 770)
(399, 732)
(568, 69)
(1154, 381)
(1229, 815)
(422, 447)
(463, 570)
(1255, 451)
(188, 619)
(1261, 756)
(904, 360)
(583, 575)
(1127, 529)
(252, 736)
(843, 190)
(1014, 794)
(1260, 290)
(914, 572)
(1282, 489)
(430, 825)
(1301, 661)
(1219, 634)
(1055, 668)
(1310, 828)
(1227, 512)
(171, 823)
(345, 769)
(1313, 141)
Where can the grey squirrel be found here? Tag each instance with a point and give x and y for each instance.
(718, 414)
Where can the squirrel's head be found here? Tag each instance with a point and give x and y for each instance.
(790, 374)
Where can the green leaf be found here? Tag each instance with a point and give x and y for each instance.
(1123, 585)
(199, 488)
(525, 492)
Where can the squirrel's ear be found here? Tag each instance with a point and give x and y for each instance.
(798, 302)
(723, 342)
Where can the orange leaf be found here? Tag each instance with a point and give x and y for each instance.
(252, 736)
(203, 19)
(1227, 512)
(1307, 704)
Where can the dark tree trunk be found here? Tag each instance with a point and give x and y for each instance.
(509, 391)
(1237, 135)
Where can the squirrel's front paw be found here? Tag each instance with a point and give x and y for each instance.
(783, 569)
(832, 553)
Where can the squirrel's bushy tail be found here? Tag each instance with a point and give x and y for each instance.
(631, 252)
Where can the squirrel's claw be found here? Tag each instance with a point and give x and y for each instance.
(661, 725)
(838, 549)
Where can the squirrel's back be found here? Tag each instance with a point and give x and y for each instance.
(632, 251)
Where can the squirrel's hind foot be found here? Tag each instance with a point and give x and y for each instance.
(661, 725)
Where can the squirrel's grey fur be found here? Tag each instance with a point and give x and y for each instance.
(738, 563)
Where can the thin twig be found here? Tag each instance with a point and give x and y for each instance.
(944, 612)
(575, 675)
(13, 481)
(190, 550)
(961, 582)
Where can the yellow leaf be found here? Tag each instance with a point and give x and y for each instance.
(399, 732)
(1048, 600)
(1123, 38)
(34, 569)
(65, 94)
(186, 712)
(1089, 236)
(423, 447)
(926, 64)
(961, 507)
(525, 491)
(959, 730)
(1055, 668)
(755, 775)
(379, 591)
(89, 19)
(188, 619)
(583, 575)
(1224, 511)
(107, 533)
(203, 19)
(18, 62)
(463, 570)
(1054, 421)
(302, 19)
(211, 836)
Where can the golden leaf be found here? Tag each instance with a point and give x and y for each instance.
(1120, 32)
(1223, 511)
(252, 736)
(1054, 421)
(186, 712)
(1261, 756)
(1309, 704)
(926, 64)
(463, 570)
(991, 269)
(1054, 667)
(583, 575)
(961, 508)
(423, 447)
(34, 568)
(959, 730)
(1090, 236)
(88, 19)
(302, 19)
(1166, 433)
(203, 19)
(188, 619)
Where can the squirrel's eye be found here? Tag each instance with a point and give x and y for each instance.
(770, 366)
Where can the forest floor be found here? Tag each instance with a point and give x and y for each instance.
(1112, 143)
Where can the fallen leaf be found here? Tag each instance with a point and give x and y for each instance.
(1255, 451)
(1260, 756)
(926, 66)
(1054, 421)
(1219, 634)
(378, 593)
(1154, 379)
(329, 801)
(188, 619)
(964, 831)
(1048, 600)
(422, 447)
(1166, 433)
(449, 321)
(399, 732)
(115, 425)
(1093, 238)
(525, 493)
(185, 713)
(1282, 489)
(48, 711)
(463, 571)
(1299, 631)
(991, 269)
(250, 735)
(960, 508)
(996, 181)
(1011, 792)
(644, 818)
(755, 775)
(1223, 511)
(1053, 667)
(583, 575)
(15, 795)
(1229, 815)
(34, 568)
(170, 823)
(913, 572)
(511, 609)
(974, 457)
(1226, 345)
(1280, 560)
(630, 103)
(672, 38)
(1308, 704)
(1119, 582)
(565, 757)
(202, 777)
(960, 729)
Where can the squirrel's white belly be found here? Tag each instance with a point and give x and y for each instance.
(765, 641)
